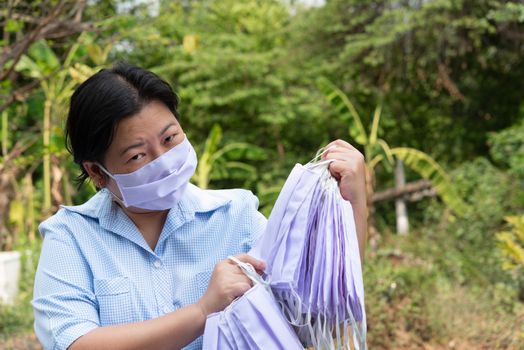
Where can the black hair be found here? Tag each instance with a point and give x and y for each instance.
(102, 101)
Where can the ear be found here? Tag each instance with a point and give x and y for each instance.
(96, 174)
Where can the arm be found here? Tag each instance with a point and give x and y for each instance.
(179, 328)
(360, 214)
(349, 168)
(172, 331)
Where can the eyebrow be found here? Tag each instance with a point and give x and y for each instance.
(141, 143)
(134, 145)
(166, 128)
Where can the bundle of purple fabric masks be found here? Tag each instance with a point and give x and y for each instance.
(313, 261)
(252, 322)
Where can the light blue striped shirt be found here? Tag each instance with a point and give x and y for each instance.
(96, 269)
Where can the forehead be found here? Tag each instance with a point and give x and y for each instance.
(151, 119)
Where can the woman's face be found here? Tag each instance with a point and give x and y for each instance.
(141, 138)
(137, 141)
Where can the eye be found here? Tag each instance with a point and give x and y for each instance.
(169, 139)
(137, 156)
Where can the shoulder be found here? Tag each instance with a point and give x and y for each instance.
(236, 196)
(210, 200)
(226, 221)
(78, 217)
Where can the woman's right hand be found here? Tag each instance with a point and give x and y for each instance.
(227, 283)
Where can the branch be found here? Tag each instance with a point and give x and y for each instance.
(449, 84)
(19, 48)
(17, 150)
(410, 189)
(63, 29)
(22, 92)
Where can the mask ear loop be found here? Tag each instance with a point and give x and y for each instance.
(118, 199)
(319, 154)
(105, 170)
(250, 272)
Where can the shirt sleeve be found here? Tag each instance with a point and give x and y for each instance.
(64, 304)
(257, 222)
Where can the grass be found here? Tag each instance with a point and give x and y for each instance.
(414, 303)
(17, 320)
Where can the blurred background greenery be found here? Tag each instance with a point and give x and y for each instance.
(431, 91)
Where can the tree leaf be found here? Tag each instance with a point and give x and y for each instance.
(343, 104)
(429, 169)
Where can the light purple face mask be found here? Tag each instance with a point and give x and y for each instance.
(159, 184)
(252, 322)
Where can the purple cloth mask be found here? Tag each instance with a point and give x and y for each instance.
(313, 260)
(252, 322)
(159, 184)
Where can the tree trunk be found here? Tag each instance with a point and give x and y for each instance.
(373, 236)
(6, 195)
(47, 158)
(400, 203)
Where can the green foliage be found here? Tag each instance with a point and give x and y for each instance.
(507, 148)
(490, 193)
(411, 299)
(448, 70)
(346, 110)
(429, 169)
(237, 76)
(18, 318)
(14, 319)
(224, 163)
(511, 243)
(391, 303)
(376, 150)
(507, 13)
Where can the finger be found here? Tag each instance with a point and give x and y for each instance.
(338, 166)
(344, 144)
(257, 264)
(335, 170)
(344, 155)
(341, 156)
(339, 144)
(239, 288)
(342, 167)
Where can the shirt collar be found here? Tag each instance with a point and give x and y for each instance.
(112, 218)
(193, 200)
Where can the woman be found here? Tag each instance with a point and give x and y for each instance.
(143, 262)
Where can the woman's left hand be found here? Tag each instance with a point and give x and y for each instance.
(349, 168)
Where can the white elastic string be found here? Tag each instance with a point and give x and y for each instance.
(249, 271)
(105, 170)
(311, 331)
(323, 329)
(120, 200)
(319, 164)
(360, 342)
(321, 152)
(298, 313)
(332, 341)
(347, 338)
(321, 339)
(337, 329)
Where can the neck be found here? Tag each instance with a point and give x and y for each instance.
(149, 223)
